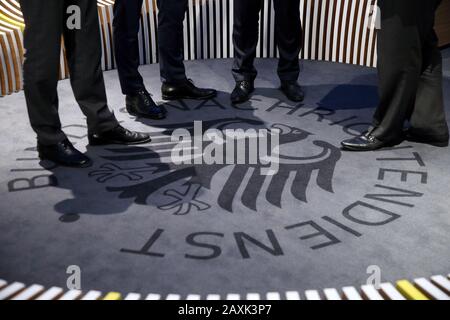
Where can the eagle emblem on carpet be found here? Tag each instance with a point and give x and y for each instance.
(137, 173)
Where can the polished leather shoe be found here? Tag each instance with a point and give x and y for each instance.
(365, 142)
(118, 135)
(242, 91)
(141, 104)
(63, 153)
(186, 90)
(436, 141)
(293, 91)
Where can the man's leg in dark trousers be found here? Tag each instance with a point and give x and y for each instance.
(42, 42)
(45, 23)
(170, 40)
(245, 38)
(83, 51)
(288, 32)
(405, 61)
(428, 117)
(127, 14)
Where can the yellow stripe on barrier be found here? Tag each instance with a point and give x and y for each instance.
(11, 21)
(113, 296)
(409, 291)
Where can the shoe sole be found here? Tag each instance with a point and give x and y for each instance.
(385, 145)
(296, 100)
(169, 98)
(144, 115)
(293, 100)
(355, 149)
(439, 144)
(86, 165)
(240, 101)
(243, 101)
(113, 142)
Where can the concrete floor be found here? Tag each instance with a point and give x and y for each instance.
(136, 222)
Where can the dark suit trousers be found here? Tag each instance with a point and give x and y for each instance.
(127, 14)
(170, 39)
(45, 24)
(410, 71)
(288, 35)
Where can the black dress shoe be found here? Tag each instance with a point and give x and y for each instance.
(436, 141)
(141, 104)
(293, 91)
(118, 135)
(186, 90)
(365, 142)
(242, 91)
(63, 154)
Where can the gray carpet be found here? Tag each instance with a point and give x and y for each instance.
(136, 222)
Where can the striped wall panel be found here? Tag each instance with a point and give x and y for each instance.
(11, 48)
(334, 30)
(437, 287)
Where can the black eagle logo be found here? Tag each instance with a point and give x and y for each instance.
(298, 160)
